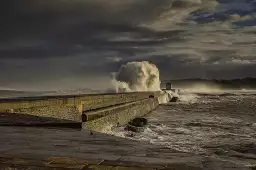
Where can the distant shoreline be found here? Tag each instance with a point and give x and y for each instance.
(237, 84)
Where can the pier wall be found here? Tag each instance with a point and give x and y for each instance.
(120, 115)
(54, 106)
(92, 111)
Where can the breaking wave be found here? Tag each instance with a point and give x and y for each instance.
(144, 76)
(137, 76)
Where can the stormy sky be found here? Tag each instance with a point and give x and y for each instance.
(46, 44)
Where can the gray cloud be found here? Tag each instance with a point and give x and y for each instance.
(46, 42)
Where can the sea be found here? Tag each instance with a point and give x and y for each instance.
(216, 124)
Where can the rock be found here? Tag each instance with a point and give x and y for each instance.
(137, 125)
(134, 128)
(151, 96)
(174, 99)
(138, 122)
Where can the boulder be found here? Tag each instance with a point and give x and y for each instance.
(137, 125)
(138, 122)
(174, 99)
(134, 128)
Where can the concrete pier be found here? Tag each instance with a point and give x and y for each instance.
(42, 148)
(79, 108)
(121, 115)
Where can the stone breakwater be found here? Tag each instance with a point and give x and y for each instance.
(92, 111)
(121, 115)
(57, 149)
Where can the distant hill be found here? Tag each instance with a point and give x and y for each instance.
(236, 84)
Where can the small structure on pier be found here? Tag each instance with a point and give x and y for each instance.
(168, 86)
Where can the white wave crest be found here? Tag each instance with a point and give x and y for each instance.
(137, 76)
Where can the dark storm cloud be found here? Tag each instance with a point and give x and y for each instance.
(68, 20)
(64, 25)
(29, 18)
(55, 40)
(240, 71)
(50, 49)
(185, 3)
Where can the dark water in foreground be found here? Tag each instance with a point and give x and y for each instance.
(221, 125)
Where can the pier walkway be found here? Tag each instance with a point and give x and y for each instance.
(44, 148)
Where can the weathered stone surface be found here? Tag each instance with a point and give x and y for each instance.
(123, 116)
(57, 112)
(38, 148)
(13, 119)
(96, 114)
(68, 107)
(91, 100)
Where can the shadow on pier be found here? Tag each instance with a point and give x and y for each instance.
(16, 119)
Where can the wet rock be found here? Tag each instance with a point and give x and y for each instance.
(138, 122)
(174, 99)
(134, 128)
(137, 125)
(151, 96)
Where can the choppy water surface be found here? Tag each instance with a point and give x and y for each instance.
(220, 124)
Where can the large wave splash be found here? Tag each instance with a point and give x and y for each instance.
(137, 76)
(140, 77)
(144, 76)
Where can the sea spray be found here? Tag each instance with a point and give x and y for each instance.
(188, 97)
(118, 131)
(164, 98)
(140, 76)
(137, 76)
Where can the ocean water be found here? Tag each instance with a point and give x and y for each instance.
(219, 124)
